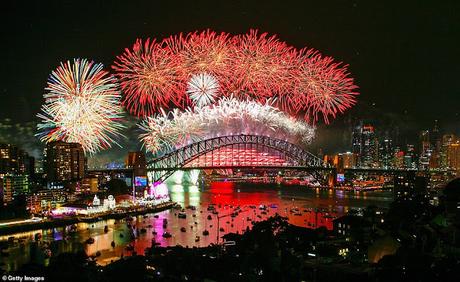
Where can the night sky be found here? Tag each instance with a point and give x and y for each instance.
(404, 57)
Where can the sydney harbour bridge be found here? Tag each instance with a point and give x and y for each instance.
(237, 151)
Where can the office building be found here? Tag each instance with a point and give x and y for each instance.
(64, 161)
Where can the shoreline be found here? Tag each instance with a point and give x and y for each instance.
(68, 221)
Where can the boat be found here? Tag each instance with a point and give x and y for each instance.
(183, 229)
(211, 207)
(273, 206)
(262, 207)
(182, 215)
(191, 208)
(197, 238)
(209, 217)
(205, 232)
(89, 241)
(166, 235)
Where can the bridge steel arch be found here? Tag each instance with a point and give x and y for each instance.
(162, 167)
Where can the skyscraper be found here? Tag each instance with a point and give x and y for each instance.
(386, 153)
(64, 161)
(365, 145)
(425, 150)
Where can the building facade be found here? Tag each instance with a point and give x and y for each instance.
(64, 161)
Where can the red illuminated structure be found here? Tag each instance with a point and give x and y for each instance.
(234, 151)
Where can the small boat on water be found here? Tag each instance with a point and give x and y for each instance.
(191, 208)
(89, 241)
(183, 229)
(205, 232)
(167, 235)
(182, 215)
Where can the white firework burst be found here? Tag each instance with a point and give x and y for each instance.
(228, 116)
(202, 89)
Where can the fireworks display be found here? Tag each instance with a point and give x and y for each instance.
(158, 74)
(227, 116)
(193, 86)
(82, 105)
(202, 89)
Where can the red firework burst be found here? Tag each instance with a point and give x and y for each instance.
(155, 75)
(262, 65)
(151, 78)
(323, 87)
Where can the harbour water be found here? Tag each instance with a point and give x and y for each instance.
(115, 238)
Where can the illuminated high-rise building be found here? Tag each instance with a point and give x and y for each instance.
(453, 156)
(425, 150)
(64, 161)
(365, 145)
(386, 153)
(398, 158)
(410, 161)
(447, 140)
(14, 161)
